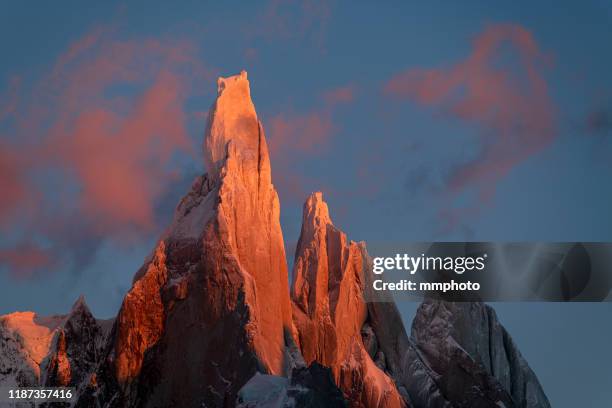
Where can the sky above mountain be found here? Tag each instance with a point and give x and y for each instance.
(421, 122)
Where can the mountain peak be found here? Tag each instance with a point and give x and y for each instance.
(315, 219)
(79, 304)
(233, 81)
(219, 278)
(316, 210)
(232, 118)
(329, 310)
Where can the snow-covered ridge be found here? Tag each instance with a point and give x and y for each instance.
(28, 342)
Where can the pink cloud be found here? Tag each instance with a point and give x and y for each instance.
(294, 136)
(509, 102)
(120, 160)
(306, 133)
(78, 47)
(14, 191)
(343, 94)
(109, 115)
(25, 261)
(117, 148)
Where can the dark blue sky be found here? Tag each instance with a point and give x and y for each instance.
(419, 122)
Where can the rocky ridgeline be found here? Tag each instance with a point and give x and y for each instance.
(210, 322)
(62, 350)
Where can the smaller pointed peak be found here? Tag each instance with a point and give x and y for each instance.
(316, 210)
(79, 304)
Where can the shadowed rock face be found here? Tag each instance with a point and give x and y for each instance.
(60, 350)
(77, 348)
(471, 357)
(330, 313)
(459, 355)
(210, 307)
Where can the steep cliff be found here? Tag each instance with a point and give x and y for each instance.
(77, 348)
(330, 312)
(471, 358)
(210, 307)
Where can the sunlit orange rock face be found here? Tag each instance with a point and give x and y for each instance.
(210, 307)
(59, 364)
(237, 158)
(330, 312)
(140, 322)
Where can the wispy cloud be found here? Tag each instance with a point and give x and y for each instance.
(108, 117)
(27, 260)
(506, 98)
(295, 136)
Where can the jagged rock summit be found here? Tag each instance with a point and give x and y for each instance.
(78, 346)
(210, 307)
(331, 314)
(232, 120)
(59, 350)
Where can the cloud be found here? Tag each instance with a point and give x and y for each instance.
(309, 132)
(119, 160)
(507, 100)
(95, 139)
(297, 136)
(26, 260)
(14, 190)
(304, 133)
(292, 138)
(343, 94)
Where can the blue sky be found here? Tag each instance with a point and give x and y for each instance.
(515, 148)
